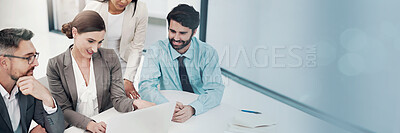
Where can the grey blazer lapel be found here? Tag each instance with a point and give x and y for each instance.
(99, 67)
(70, 77)
(4, 114)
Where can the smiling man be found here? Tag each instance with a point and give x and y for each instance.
(23, 97)
(184, 63)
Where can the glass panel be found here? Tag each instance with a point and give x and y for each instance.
(338, 56)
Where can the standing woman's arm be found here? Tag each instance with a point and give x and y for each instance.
(137, 44)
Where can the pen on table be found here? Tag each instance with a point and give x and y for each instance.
(249, 111)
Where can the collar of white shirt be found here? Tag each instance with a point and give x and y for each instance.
(5, 94)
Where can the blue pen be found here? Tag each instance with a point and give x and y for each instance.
(249, 111)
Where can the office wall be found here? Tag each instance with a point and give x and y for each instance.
(23, 13)
(338, 56)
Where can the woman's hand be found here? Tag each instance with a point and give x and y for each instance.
(140, 104)
(96, 127)
(130, 90)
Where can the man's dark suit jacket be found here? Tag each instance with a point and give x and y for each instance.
(31, 109)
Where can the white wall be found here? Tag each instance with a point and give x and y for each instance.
(32, 15)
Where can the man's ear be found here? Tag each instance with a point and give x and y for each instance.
(74, 32)
(3, 61)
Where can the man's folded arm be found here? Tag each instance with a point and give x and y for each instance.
(212, 85)
(52, 119)
(150, 75)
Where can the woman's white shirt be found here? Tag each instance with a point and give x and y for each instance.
(87, 103)
(114, 33)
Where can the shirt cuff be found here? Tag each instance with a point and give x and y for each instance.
(50, 110)
(128, 76)
(198, 107)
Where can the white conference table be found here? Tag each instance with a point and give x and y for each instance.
(213, 121)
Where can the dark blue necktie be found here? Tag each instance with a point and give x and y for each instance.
(184, 76)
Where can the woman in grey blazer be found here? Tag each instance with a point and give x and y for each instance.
(126, 22)
(86, 80)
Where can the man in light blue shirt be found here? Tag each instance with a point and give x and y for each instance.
(182, 62)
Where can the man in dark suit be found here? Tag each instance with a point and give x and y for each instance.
(23, 97)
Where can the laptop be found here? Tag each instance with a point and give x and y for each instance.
(156, 119)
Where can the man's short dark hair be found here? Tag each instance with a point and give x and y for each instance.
(185, 15)
(10, 38)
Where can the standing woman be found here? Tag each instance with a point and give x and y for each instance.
(86, 80)
(126, 22)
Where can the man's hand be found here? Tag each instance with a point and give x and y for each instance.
(178, 107)
(130, 90)
(38, 129)
(183, 114)
(140, 104)
(96, 127)
(28, 85)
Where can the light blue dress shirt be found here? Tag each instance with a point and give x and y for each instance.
(161, 68)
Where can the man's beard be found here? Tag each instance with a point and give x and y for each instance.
(184, 43)
(16, 77)
(179, 47)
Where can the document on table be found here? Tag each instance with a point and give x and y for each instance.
(156, 119)
(251, 122)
